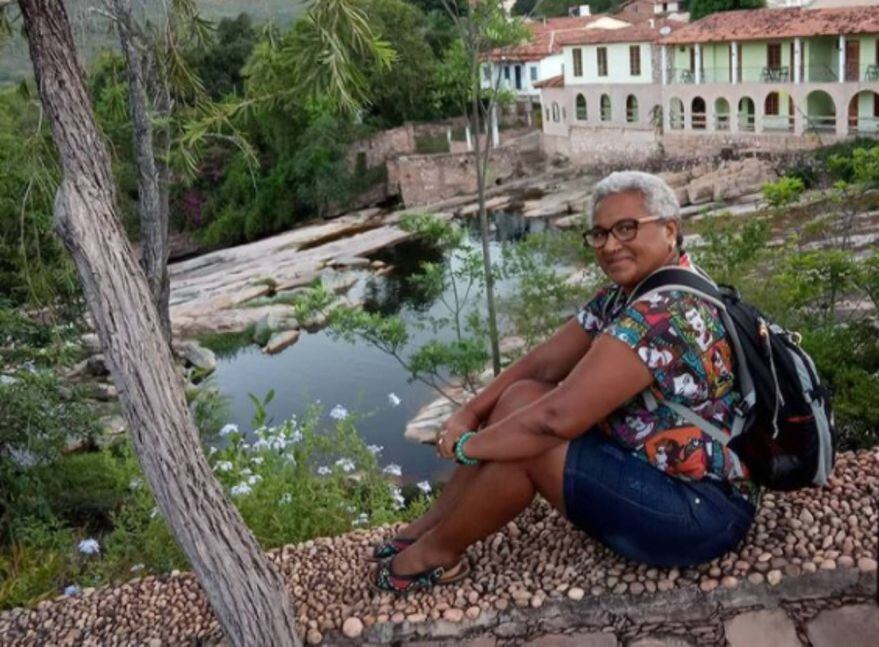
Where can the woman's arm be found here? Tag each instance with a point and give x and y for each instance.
(607, 376)
(549, 362)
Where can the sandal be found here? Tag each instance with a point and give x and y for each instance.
(391, 547)
(387, 580)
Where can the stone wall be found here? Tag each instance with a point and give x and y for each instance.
(689, 145)
(422, 179)
(384, 145)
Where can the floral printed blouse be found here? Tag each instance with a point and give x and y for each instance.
(682, 340)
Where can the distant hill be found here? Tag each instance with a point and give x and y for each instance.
(93, 34)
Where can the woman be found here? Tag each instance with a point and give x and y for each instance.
(570, 419)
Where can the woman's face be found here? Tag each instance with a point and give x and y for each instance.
(628, 263)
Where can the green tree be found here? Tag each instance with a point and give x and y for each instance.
(701, 8)
(483, 27)
(402, 91)
(219, 65)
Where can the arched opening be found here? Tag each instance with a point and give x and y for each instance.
(676, 114)
(863, 113)
(721, 114)
(632, 109)
(555, 111)
(746, 114)
(605, 107)
(581, 108)
(820, 112)
(698, 116)
(778, 112)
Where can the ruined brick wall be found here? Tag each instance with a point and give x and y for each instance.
(384, 145)
(422, 179)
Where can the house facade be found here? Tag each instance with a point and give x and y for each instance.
(769, 79)
(788, 71)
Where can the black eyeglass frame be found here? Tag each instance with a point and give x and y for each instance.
(605, 233)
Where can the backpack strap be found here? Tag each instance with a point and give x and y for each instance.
(694, 281)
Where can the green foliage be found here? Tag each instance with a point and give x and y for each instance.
(783, 192)
(553, 8)
(701, 8)
(431, 144)
(219, 65)
(291, 482)
(34, 268)
(731, 247)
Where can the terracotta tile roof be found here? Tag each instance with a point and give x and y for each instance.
(544, 37)
(551, 82)
(641, 33)
(762, 24)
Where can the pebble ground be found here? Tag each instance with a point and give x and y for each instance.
(538, 557)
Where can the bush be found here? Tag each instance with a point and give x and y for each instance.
(291, 482)
(784, 192)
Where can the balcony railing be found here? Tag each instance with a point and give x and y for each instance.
(813, 73)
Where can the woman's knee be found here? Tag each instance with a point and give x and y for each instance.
(519, 394)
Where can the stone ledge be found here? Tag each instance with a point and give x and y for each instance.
(678, 605)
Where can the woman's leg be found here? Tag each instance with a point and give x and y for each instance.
(473, 515)
(519, 394)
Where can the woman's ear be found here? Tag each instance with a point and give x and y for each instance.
(671, 229)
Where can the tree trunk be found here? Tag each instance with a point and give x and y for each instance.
(246, 592)
(481, 168)
(153, 217)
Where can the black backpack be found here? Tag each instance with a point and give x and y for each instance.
(783, 429)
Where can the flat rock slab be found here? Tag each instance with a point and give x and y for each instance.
(661, 642)
(845, 627)
(590, 639)
(762, 629)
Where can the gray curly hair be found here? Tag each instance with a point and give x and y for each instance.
(659, 198)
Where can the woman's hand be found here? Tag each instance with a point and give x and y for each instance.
(459, 423)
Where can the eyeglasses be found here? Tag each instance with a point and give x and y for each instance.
(622, 230)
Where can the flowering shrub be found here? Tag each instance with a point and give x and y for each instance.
(299, 479)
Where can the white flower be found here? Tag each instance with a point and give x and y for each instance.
(212, 450)
(424, 486)
(285, 498)
(346, 464)
(290, 458)
(323, 470)
(350, 509)
(223, 466)
(240, 489)
(374, 449)
(135, 483)
(393, 469)
(361, 519)
(137, 568)
(71, 589)
(246, 471)
(89, 547)
(256, 460)
(253, 480)
(296, 437)
(276, 444)
(229, 429)
(339, 412)
(397, 496)
(154, 513)
(261, 444)
(394, 399)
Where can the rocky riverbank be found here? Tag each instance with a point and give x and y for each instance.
(537, 576)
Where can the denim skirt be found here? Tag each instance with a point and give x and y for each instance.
(645, 515)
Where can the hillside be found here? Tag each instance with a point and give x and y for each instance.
(92, 32)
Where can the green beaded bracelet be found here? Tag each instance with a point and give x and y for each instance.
(460, 456)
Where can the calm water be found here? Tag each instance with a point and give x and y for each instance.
(360, 377)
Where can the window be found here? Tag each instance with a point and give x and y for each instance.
(555, 111)
(578, 61)
(533, 73)
(771, 106)
(601, 52)
(547, 113)
(564, 114)
(486, 72)
(631, 109)
(773, 56)
(581, 108)
(605, 107)
(635, 60)
(507, 72)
